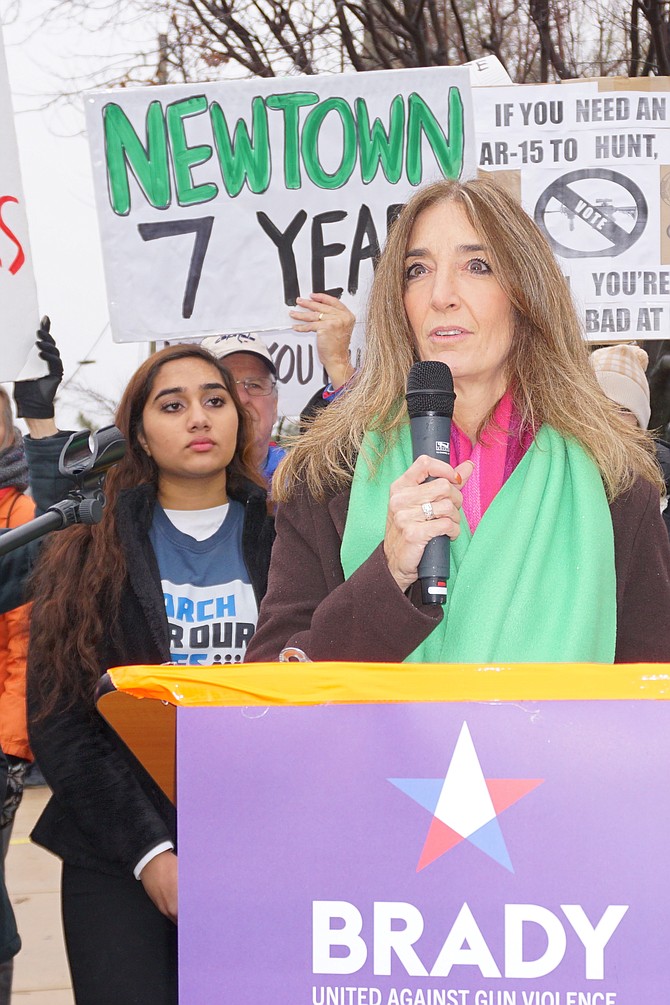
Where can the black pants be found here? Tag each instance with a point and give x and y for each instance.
(6, 968)
(121, 949)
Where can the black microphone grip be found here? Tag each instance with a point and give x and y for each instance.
(430, 435)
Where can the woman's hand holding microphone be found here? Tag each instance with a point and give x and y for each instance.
(420, 510)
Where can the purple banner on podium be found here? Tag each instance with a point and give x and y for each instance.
(425, 854)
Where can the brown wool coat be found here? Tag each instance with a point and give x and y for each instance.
(367, 618)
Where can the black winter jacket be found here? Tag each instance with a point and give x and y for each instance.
(10, 943)
(47, 486)
(106, 812)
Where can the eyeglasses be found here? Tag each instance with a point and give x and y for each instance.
(258, 387)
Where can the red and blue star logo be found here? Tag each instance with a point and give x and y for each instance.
(465, 805)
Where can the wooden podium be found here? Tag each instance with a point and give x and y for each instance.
(147, 727)
(391, 834)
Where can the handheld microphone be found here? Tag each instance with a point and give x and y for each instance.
(430, 403)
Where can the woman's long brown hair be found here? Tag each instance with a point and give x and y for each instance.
(547, 368)
(80, 577)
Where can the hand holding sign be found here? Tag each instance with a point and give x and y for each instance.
(333, 323)
(35, 398)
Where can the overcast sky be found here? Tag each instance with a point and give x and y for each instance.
(46, 57)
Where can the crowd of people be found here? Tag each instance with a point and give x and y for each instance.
(218, 546)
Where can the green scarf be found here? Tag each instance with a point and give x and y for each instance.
(535, 583)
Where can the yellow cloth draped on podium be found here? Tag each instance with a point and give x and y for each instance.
(324, 683)
(148, 727)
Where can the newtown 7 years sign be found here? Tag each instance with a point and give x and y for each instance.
(221, 203)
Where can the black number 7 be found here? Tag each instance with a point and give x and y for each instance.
(202, 228)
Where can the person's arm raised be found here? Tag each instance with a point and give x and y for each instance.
(333, 323)
(35, 398)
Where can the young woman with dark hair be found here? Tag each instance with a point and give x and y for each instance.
(174, 572)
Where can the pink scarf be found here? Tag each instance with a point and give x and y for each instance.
(495, 457)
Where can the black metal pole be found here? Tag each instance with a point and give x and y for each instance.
(62, 514)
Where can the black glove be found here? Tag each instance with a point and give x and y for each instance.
(16, 774)
(35, 398)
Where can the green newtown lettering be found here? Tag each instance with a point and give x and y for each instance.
(161, 159)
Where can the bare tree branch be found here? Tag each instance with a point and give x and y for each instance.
(461, 30)
(539, 12)
(656, 13)
(534, 39)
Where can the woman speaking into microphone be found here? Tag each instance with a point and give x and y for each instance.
(550, 499)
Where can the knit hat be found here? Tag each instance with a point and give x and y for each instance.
(225, 345)
(620, 371)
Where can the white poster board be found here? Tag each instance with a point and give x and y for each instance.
(220, 203)
(592, 167)
(19, 317)
(299, 372)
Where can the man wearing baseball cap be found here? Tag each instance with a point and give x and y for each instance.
(248, 359)
(621, 372)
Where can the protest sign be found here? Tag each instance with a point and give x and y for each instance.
(592, 167)
(220, 203)
(19, 316)
(299, 372)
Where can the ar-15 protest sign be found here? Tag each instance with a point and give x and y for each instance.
(592, 167)
(220, 203)
(18, 296)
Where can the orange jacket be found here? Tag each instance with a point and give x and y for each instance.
(15, 509)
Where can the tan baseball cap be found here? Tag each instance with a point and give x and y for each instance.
(225, 345)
